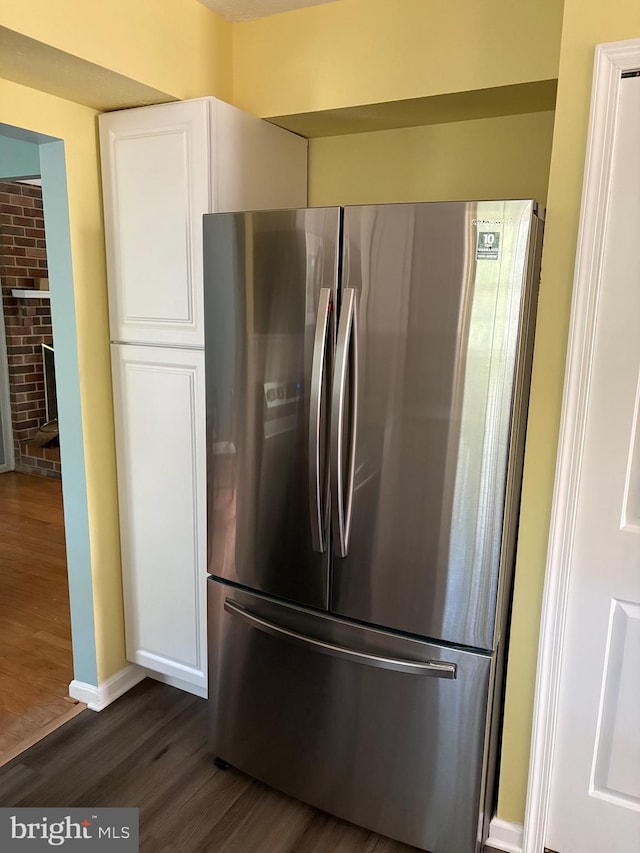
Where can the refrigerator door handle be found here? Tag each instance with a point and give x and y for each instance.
(319, 478)
(346, 355)
(433, 668)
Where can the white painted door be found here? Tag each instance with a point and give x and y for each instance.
(160, 444)
(156, 186)
(595, 790)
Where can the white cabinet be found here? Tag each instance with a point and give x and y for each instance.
(156, 185)
(159, 422)
(163, 167)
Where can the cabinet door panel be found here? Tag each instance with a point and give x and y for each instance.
(159, 417)
(155, 163)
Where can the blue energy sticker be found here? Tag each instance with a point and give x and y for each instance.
(488, 246)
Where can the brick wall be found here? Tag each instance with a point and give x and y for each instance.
(23, 260)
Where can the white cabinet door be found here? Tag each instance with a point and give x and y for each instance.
(156, 185)
(160, 443)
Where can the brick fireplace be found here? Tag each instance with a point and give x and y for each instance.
(23, 263)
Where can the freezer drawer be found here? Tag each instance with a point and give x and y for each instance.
(384, 731)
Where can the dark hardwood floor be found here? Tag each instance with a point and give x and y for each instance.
(149, 750)
(35, 632)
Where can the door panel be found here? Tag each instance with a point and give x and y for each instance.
(263, 276)
(595, 783)
(159, 424)
(156, 164)
(439, 303)
(397, 751)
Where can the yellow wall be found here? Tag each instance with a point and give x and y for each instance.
(368, 51)
(177, 46)
(76, 125)
(586, 23)
(506, 157)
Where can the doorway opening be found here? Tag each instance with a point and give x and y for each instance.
(36, 652)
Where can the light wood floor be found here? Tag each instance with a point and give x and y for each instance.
(35, 634)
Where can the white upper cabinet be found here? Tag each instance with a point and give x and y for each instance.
(156, 185)
(163, 167)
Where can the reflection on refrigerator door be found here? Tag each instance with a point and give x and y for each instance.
(265, 273)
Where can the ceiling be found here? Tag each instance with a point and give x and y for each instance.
(247, 10)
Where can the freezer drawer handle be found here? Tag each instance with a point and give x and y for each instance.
(433, 668)
(319, 478)
(346, 355)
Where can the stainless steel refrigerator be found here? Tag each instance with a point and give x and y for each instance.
(367, 374)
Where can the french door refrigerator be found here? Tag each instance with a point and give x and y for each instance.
(367, 374)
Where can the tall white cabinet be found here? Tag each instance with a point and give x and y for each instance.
(163, 167)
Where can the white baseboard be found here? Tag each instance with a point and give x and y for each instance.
(505, 836)
(97, 698)
(180, 683)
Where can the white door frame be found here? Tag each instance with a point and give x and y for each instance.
(5, 402)
(611, 61)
